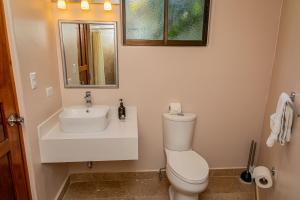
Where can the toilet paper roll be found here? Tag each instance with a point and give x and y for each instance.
(175, 108)
(263, 177)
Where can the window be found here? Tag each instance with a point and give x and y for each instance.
(165, 22)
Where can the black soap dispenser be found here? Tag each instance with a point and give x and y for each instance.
(122, 110)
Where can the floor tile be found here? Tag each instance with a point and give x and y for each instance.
(148, 186)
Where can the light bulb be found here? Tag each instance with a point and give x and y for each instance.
(61, 4)
(85, 5)
(107, 5)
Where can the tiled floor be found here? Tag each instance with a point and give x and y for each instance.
(147, 186)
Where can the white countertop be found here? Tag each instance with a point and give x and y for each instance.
(119, 141)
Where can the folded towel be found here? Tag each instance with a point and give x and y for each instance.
(281, 121)
(285, 135)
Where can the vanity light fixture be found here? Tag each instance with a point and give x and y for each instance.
(85, 5)
(61, 4)
(107, 5)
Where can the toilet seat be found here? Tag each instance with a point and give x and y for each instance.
(188, 166)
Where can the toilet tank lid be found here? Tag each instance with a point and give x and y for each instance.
(184, 117)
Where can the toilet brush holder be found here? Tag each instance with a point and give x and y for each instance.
(246, 176)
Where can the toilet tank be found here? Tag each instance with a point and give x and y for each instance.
(178, 131)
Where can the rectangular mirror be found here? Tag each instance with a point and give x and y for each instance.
(89, 54)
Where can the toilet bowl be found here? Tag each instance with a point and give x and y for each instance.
(188, 174)
(186, 170)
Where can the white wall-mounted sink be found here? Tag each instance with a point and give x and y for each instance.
(118, 141)
(80, 119)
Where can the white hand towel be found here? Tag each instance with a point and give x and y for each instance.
(277, 119)
(290, 123)
(285, 135)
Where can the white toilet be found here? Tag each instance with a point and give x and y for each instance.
(187, 171)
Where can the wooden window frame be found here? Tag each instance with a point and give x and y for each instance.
(165, 41)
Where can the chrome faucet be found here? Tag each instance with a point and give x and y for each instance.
(88, 99)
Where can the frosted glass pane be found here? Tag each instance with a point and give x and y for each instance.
(144, 19)
(185, 19)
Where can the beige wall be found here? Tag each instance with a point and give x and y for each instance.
(286, 73)
(225, 83)
(33, 48)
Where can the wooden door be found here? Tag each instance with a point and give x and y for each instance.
(14, 183)
(83, 57)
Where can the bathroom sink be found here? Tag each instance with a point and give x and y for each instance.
(118, 141)
(80, 119)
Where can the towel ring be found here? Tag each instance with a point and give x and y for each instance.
(293, 98)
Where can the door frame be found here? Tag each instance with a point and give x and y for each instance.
(16, 86)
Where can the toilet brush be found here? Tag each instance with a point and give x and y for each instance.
(253, 157)
(246, 175)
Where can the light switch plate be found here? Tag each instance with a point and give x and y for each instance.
(49, 91)
(33, 80)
